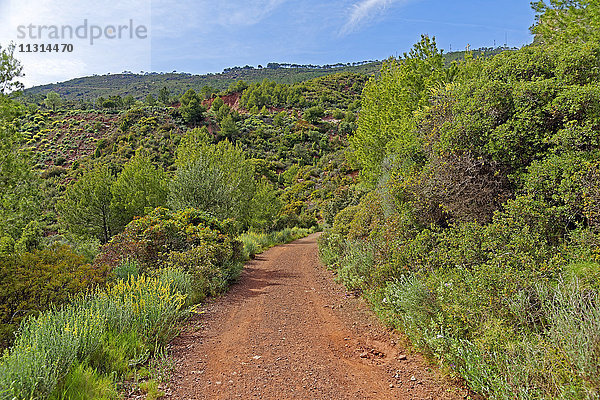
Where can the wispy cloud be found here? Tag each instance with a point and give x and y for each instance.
(175, 18)
(365, 10)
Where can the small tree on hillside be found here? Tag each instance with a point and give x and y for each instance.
(52, 100)
(192, 109)
(216, 178)
(314, 114)
(86, 205)
(164, 95)
(150, 100)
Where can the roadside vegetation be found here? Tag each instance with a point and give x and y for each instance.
(117, 222)
(477, 230)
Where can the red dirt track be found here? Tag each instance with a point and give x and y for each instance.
(286, 330)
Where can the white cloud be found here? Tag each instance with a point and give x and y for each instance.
(365, 10)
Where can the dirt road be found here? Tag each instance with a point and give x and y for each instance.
(286, 330)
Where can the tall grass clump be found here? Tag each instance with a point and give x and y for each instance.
(126, 268)
(48, 346)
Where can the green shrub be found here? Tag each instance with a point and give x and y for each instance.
(32, 282)
(151, 238)
(126, 268)
(113, 329)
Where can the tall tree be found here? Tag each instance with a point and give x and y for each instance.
(10, 70)
(139, 186)
(567, 21)
(388, 105)
(86, 206)
(215, 178)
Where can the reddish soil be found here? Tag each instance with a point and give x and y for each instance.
(232, 100)
(286, 330)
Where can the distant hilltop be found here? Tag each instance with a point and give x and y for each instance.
(140, 85)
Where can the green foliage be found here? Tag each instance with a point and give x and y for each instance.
(126, 268)
(10, 70)
(30, 238)
(52, 100)
(150, 387)
(314, 114)
(563, 21)
(215, 178)
(100, 204)
(86, 206)
(7, 246)
(128, 101)
(388, 105)
(229, 128)
(19, 185)
(140, 185)
(264, 206)
(32, 282)
(150, 101)
(217, 104)
(188, 240)
(191, 108)
(164, 95)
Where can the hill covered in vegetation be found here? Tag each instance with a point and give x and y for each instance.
(141, 85)
(88, 89)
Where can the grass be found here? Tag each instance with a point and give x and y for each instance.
(85, 383)
(112, 330)
(555, 355)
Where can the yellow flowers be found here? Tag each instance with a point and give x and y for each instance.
(47, 345)
(143, 292)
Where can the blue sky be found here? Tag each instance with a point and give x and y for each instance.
(206, 36)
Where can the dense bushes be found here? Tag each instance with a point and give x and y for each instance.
(156, 268)
(32, 282)
(479, 238)
(478, 296)
(190, 240)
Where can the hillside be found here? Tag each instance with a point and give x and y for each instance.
(140, 85)
(92, 87)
